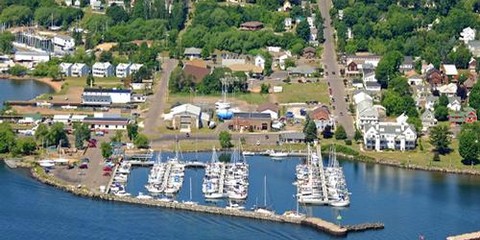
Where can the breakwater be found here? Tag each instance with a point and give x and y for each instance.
(316, 223)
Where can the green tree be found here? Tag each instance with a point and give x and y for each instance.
(225, 139)
(117, 137)
(106, 149)
(340, 133)
(41, 134)
(82, 133)
(141, 141)
(17, 70)
(16, 15)
(7, 138)
(132, 131)
(460, 57)
(25, 146)
(469, 143)
(441, 113)
(327, 132)
(57, 135)
(440, 138)
(264, 88)
(358, 135)
(388, 67)
(474, 97)
(117, 14)
(6, 39)
(106, 56)
(90, 80)
(310, 131)
(303, 30)
(443, 100)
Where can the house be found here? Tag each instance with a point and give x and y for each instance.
(474, 47)
(138, 98)
(469, 83)
(186, 117)
(32, 57)
(313, 34)
(361, 96)
(415, 80)
(428, 120)
(251, 26)
(102, 69)
(96, 5)
(260, 61)
(435, 77)
(93, 96)
(248, 121)
(472, 65)
(65, 43)
(66, 69)
(322, 118)
(119, 3)
(454, 103)
(80, 70)
(309, 52)
(373, 86)
(287, 6)
(231, 59)
(288, 22)
(248, 68)
(397, 135)
(357, 83)
(192, 53)
(450, 70)
(430, 102)
(198, 69)
(107, 123)
(68, 3)
(123, 70)
(135, 67)
(366, 113)
(269, 108)
(467, 35)
(369, 77)
(406, 65)
(292, 137)
(467, 115)
(450, 89)
(301, 71)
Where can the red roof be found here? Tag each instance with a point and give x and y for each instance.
(198, 73)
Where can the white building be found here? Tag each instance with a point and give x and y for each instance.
(430, 102)
(138, 98)
(397, 135)
(288, 23)
(68, 3)
(454, 103)
(65, 43)
(260, 61)
(123, 70)
(66, 69)
(428, 120)
(34, 57)
(192, 53)
(94, 96)
(107, 123)
(467, 34)
(450, 89)
(80, 70)
(366, 112)
(135, 67)
(415, 80)
(186, 117)
(373, 87)
(102, 69)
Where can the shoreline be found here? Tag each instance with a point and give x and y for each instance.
(56, 86)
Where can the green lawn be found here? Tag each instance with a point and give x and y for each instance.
(99, 82)
(302, 92)
(253, 98)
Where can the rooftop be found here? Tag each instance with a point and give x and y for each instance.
(252, 115)
(107, 90)
(192, 51)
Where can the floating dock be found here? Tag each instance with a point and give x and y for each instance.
(466, 236)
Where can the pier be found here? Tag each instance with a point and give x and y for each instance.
(466, 236)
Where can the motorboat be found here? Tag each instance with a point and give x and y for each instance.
(247, 153)
(278, 154)
(143, 196)
(46, 163)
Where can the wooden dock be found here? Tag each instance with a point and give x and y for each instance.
(466, 236)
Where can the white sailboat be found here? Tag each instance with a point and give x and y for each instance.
(338, 194)
(264, 209)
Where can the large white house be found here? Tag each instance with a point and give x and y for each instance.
(66, 69)
(123, 70)
(65, 43)
(260, 61)
(95, 96)
(102, 69)
(467, 34)
(135, 67)
(366, 112)
(397, 135)
(80, 70)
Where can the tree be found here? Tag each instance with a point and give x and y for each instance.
(340, 133)
(117, 14)
(90, 80)
(469, 142)
(117, 137)
(443, 100)
(141, 141)
(358, 135)
(82, 133)
(25, 146)
(310, 131)
(460, 57)
(441, 113)
(6, 39)
(474, 97)
(440, 139)
(388, 67)
(17, 70)
(16, 15)
(106, 56)
(303, 30)
(132, 131)
(327, 132)
(264, 88)
(107, 149)
(57, 135)
(41, 134)
(7, 138)
(225, 139)
(399, 85)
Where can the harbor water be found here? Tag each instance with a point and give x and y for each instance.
(408, 202)
(21, 89)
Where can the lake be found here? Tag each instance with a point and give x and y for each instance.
(22, 89)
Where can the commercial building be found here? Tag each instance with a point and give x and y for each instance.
(95, 96)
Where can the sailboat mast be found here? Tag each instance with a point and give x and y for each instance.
(190, 189)
(265, 191)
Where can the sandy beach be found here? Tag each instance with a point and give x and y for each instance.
(55, 85)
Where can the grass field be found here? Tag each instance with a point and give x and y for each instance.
(253, 98)
(297, 92)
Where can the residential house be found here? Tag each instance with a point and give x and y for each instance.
(186, 117)
(112, 95)
(68, 3)
(302, 71)
(231, 59)
(472, 65)
(357, 83)
(269, 108)
(366, 112)
(102, 69)
(435, 77)
(467, 35)
(309, 52)
(80, 70)
(260, 61)
(454, 103)
(66, 69)
(428, 120)
(430, 102)
(135, 67)
(287, 6)
(469, 83)
(248, 121)
(397, 135)
(192, 53)
(31, 57)
(288, 23)
(96, 5)
(474, 47)
(450, 89)
(373, 86)
(123, 70)
(407, 64)
(251, 26)
(248, 68)
(467, 115)
(313, 34)
(360, 96)
(450, 71)
(322, 118)
(292, 137)
(107, 123)
(415, 80)
(64, 43)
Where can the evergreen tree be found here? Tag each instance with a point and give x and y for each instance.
(340, 133)
(440, 139)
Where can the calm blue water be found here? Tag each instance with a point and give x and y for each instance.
(408, 202)
(21, 90)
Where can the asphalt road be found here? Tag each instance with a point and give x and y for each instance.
(158, 100)
(332, 72)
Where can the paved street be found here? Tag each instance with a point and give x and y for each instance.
(333, 71)
(158, 100)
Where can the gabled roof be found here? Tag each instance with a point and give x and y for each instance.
(186, 108)
(123, 65)
(320, 113)
(198, 73)
(450, 69)
(192, 51)
(101, 65)
(251, 115)
(268, 106)
(107, 90)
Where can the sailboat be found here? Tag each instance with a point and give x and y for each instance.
(338, 194)
(264, 209)
(213, 181)
(190, 202)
